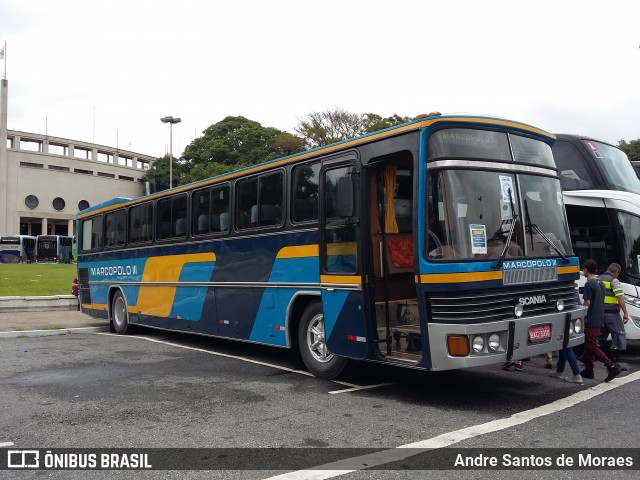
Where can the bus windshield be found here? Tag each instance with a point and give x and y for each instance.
(615, 166)
(472, 213)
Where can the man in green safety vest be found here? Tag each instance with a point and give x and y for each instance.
(613, 303)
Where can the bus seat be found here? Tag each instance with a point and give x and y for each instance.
(203, 223)
(400, 248)
(181, 227)
(269, 215)
(225, 221)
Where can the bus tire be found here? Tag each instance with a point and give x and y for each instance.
(119, 314)
(313, 346)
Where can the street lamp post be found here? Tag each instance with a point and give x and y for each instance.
(170, 121)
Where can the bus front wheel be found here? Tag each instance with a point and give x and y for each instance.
(119, 314)
(313, 345)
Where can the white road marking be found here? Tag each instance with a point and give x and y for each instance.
(363, 387)
(235, 357)
(6, 444)
(350, 465)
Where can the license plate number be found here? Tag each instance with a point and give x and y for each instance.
(539, 333)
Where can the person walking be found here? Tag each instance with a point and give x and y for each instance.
(566, 355)
(594, 293)
(613, 304)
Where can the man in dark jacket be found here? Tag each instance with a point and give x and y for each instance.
(593, 297)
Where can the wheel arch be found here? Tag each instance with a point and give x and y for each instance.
(297, 305)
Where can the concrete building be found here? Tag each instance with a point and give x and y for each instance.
(45, 180)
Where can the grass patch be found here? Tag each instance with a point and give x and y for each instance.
(36, 279)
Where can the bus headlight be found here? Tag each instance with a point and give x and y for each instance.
(477, 344)
(518, 310)
(571, 328)
(560, 305)
(494, 342)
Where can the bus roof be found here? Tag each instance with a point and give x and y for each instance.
(420, 122)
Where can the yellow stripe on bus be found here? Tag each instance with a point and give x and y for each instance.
(460, 277)
(342, 248)
(341, 279)
(569, 269)
(158, 300)
(298, 251)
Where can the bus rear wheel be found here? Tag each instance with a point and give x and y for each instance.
(119, 314)
(313, 345)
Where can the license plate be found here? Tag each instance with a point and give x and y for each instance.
(539, 333)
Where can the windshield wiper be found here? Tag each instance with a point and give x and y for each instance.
(514, 218)
(533, 226)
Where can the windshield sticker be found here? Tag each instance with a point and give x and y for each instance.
(478, 238)
(595, 150)
(506, 186)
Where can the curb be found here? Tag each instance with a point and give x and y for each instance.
(41, 303)
(48, 333)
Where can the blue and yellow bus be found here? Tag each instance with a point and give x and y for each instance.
(438, 244)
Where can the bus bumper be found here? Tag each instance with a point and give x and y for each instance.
(514, 338)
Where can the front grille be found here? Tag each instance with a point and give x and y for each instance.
(480, 306)
(83, 281)
(526, 276)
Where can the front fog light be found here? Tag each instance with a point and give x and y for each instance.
(518, 310)
(478, 344)
(578, 327)
(560, 305)
(494, 342)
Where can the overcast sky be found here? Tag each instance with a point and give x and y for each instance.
(106, 71)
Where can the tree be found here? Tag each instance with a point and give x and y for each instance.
(231, 141)
(158, 174)
(330, 126)
(374, 122)
(632, 149)
(234, 143)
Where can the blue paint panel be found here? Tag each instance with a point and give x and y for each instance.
(273, 307)
(347, 322)
(189, 301)
(332, 304)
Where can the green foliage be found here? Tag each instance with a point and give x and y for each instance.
(374, 122)
(35, 279)
(331, 126)
(234, 140)
(159, 173)
(632, 149)
(237, 142)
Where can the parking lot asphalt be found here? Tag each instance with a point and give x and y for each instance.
(55, 320)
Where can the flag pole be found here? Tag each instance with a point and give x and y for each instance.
(4, 54)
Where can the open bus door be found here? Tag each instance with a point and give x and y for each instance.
(340, 270)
